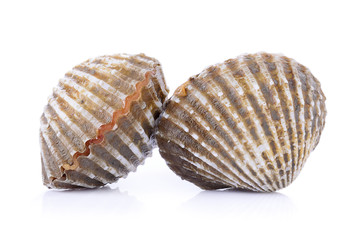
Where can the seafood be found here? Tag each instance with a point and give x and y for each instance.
(98, 123)
(248, 123)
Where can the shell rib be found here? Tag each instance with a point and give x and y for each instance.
(98, 123)
(248, 123)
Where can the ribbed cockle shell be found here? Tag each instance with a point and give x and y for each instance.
(98, 123)
(248, 123)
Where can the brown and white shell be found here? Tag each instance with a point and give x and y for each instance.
(98, 123)
(248, 123)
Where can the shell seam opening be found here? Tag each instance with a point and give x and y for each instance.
(103, 129)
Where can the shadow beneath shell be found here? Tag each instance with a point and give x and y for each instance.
(240, 203)
(103, 201)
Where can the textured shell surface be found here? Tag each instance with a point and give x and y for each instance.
(98, 123)
(248, 123)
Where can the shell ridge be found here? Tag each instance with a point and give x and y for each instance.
(154, 96)
(230, 84)
(276, 127)
(62, 96)
(229, 180)
(184, 145)
(88, 74)
(208, 142)
(122, 83)
(141, 112)
(149, 117)
(199, 180)
(302, 122)
(65, 121)
(136, 64)
(48, 136)
(260, 110)
(317, 109)
(55, 128)
(55, 155)
(116, 154)
(322, 122)
(227, 164)
(201, 168)
(295, 128)
(226, 118)
(125, 138)
(129, 67)
(139, 128)
(208, 74)
(88, 109)
(48, 167)
(94, 171)
(86, 92)
(92, 84)
(77, 178)
(248, 140)
(280, 125)
(45, 177)
(296, 90)
(248, 83)
(285, 98)
(105, 164)
(106, 127)
(239, 85)
(309, 106)
(138, 155)
(159, 76)
(130, 79)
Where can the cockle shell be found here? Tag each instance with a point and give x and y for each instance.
(248, 123)
(98, 123)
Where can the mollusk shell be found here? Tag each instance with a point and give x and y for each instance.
(98, 123)
(248, 123)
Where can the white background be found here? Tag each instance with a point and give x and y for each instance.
(41, 40)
